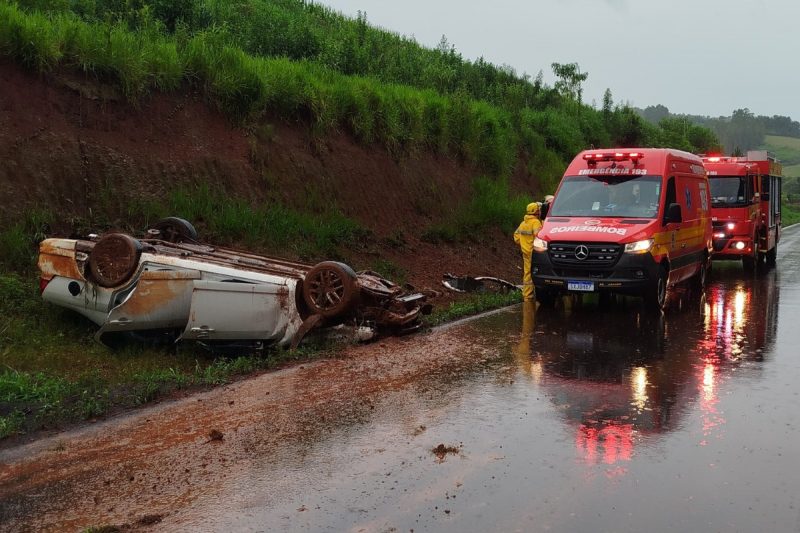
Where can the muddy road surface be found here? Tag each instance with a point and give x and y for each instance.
(577, 418)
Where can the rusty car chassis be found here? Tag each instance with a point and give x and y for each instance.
(168, 286)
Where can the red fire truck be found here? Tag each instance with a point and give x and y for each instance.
(745, 207)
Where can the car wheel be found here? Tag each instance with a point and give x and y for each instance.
(656, 296)
(330, 289)
(114, 259)
(174, 229)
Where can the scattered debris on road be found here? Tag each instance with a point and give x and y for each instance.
(477, 284)
(441, 451)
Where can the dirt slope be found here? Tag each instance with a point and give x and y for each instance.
(72, 145)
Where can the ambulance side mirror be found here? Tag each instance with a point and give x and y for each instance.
(673, 214)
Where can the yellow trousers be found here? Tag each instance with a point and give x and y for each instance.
(527, 280)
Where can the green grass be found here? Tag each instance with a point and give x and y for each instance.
(269, 226)
(787, 150)
(491, 205)
(790, 214)
(18, 240)
(472, 304)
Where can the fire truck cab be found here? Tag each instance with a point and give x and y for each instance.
(631, 221)
(745, 207)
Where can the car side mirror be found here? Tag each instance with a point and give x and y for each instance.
(674, 214)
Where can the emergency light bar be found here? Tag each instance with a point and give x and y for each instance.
(616, 156)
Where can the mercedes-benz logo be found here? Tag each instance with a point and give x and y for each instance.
(581, 252)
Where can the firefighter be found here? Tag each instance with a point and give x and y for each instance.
(526, 232)
(546, 206)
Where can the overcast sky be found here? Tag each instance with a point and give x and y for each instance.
(704, 57)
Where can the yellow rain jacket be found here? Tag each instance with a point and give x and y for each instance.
(526, 232)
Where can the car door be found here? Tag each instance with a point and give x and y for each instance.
(235, 310)
(159, 299)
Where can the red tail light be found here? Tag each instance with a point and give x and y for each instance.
(43, 284)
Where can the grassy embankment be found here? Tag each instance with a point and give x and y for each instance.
(286, 60)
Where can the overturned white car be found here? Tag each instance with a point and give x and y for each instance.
(168, 286)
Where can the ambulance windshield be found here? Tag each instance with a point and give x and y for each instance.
(609, 196)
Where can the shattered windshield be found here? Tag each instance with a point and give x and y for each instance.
(728, 191)
(609, 196)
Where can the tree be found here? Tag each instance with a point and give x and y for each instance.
(570, 79)
(608, 105)
(655, 113)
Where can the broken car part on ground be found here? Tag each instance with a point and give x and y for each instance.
(477, 284)
(168, 286)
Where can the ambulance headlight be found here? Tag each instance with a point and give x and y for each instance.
(539, 245)
(639, 247)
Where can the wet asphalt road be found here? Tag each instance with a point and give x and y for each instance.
(586, 420)
(577, 418)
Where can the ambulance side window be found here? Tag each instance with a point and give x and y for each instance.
(671, 197)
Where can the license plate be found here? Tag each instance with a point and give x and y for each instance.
(583, 286)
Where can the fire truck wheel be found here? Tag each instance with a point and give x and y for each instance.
(748, 263)
(330, 289)
(174, 229)
(656, 295)
(772, 256)
(114, 259)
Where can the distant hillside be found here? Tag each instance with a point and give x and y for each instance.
(787, 149)
(742, 130)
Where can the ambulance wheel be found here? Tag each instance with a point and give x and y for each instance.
(545, 297)
(772, 256)
(656, 297)
(700, 279)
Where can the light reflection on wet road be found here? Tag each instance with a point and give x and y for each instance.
(586, 419)
(578, 418)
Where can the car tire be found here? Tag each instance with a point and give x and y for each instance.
(175, 230)
(330, 289)
(114, 259)
(656, 296)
